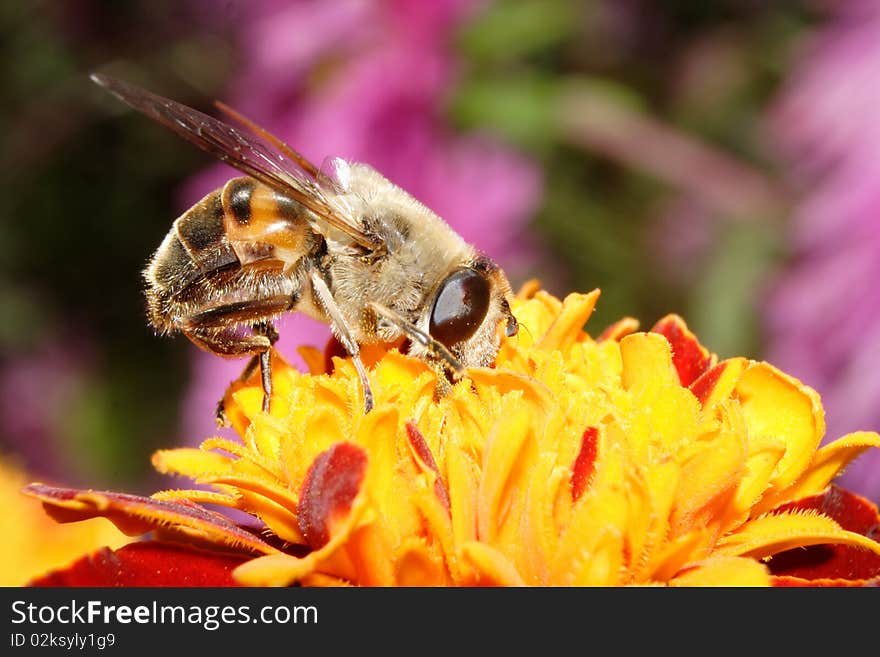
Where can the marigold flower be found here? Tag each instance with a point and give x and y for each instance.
(629, 458)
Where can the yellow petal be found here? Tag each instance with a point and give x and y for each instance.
(717, 383)
(396, 370)
(619, 329)
(197, 496)
(647, 361)
(310, 435)
(662, 419)
(275, 570)
(678, 551)
(244, 454)
(537, 530)
(416, 565)
(378, 434)
(528, 289)
(576, 310)
(369, 549)
(830, 461)
(598, 525)
(724, 571)
(649, 528)
(533, 391)
(535, 317)
(462, 477)
(764, 453)
(709, 479)
(286, 569)
(249, 401)
(263, 486)
(490, 566)
(280, 520)
(314, 359)
(605, 563)
(765, 536)
(264, 437)
(189, 462)
(503, 450)
(324, 580)
(779, 406)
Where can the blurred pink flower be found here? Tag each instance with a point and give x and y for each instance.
(366, 80)
(39, 389)
(823, 313)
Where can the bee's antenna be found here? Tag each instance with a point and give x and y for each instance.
(417, 335)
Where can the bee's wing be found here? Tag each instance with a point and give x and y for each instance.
(274, 164)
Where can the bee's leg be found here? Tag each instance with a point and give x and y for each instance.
(340, 328)
(267, 330)
(225, 341)
(435, 348)
(260, 328)
(266, 378)
(216, 330)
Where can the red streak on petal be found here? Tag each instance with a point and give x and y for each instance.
(688, 355)
(704, 384)
(786, 581)
(420, 446)
(585, 463)
(332, 482)
(833, 564)
(134, 514)
(150, 563)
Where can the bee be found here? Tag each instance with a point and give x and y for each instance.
(341, 244)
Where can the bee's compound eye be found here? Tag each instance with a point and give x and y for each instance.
(460, 306)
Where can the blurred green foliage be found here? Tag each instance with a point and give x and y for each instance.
(89, 189)
(702, 71)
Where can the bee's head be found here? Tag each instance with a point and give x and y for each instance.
(469, 307)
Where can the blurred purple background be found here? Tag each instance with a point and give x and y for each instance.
(823, 311)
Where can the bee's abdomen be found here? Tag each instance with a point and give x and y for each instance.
(237, 195)
(263, 225)
(190, 263)
(244, 240)
(201, 231)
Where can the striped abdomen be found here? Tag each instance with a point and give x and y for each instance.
(242, 242)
